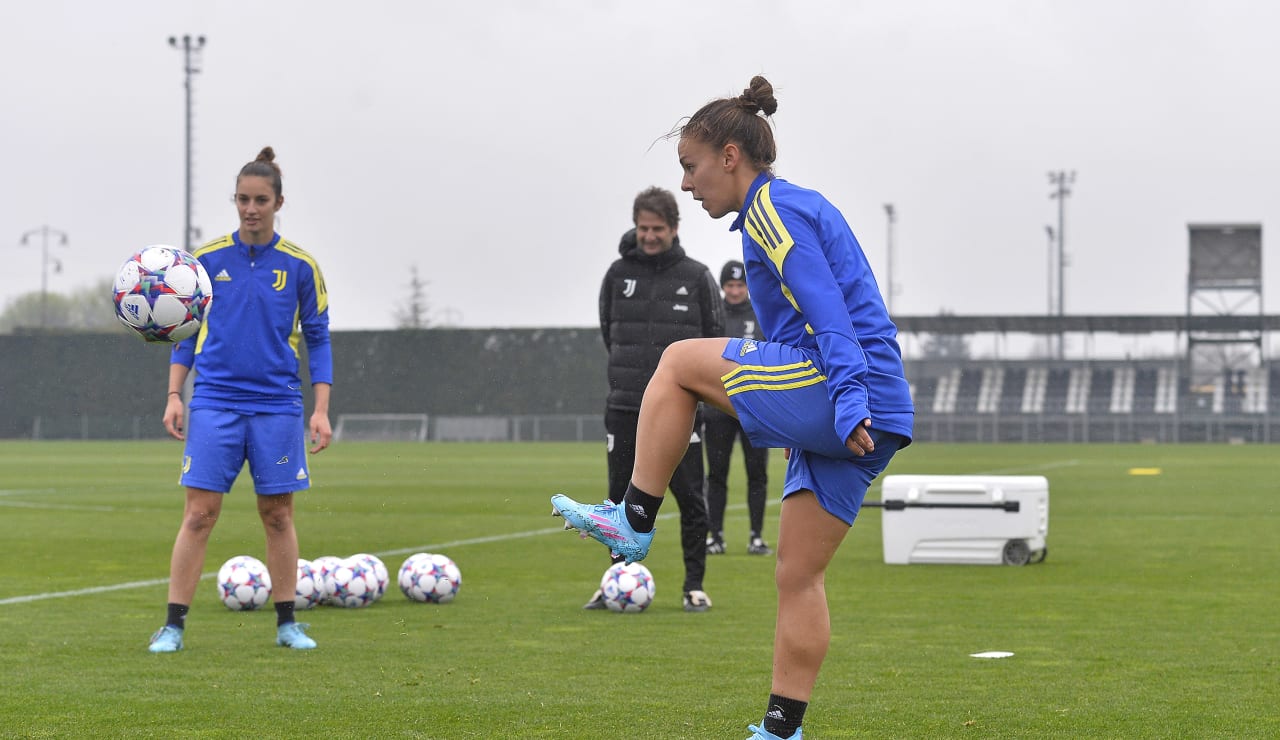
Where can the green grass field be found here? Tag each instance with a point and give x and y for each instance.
(1155, 614)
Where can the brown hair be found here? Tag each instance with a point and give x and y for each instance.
(659, 201)
(735, 120)
(265, 166)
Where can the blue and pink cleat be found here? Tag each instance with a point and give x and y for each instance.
(167, 639)
(606, 523)
(759, 733)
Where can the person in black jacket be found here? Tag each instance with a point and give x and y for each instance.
(653, 295)
(720, 430)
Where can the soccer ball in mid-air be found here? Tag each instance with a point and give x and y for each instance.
(379, 571)
(243, 583)
(309, 590)
(627, 588)
(352, 583)
(428, 577)
(162, 293)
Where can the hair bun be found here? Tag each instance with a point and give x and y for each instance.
(758, 97)
(266, 155)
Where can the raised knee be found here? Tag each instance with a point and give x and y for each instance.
(679, 350)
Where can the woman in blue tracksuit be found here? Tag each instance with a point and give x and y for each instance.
(828, 386)
(247, 406)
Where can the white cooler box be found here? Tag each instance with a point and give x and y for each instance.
(964, 519)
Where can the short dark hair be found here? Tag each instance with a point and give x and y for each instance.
(659, 201)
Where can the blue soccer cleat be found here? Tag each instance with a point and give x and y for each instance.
(167, 639)
(606, 523)
(291, 635)
(762, 734)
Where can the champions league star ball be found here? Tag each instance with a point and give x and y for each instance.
(430, 578)
(162, 293)
(379, 569)
(627, 588)
(321, 567)
(309, 590)
(243, 583)
(352, 583)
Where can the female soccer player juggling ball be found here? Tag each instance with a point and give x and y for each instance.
(247, 404)
(828, 386)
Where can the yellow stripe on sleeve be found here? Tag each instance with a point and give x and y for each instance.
(322, 293)
(221, 242)
(765, 227)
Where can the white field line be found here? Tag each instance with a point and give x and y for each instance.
(402, 551)
(1032, 468)
(67, 507)
(405, 550)
(26, 491)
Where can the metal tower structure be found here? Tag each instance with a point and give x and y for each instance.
(1224, 278)
(190, 47)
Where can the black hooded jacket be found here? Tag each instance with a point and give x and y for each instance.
(740, 321)
(646, 303)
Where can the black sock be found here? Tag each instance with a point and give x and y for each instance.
(641, 508)
(177, 616)
(284, 612)
(783, 717)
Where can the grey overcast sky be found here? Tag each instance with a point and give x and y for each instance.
(497, 144)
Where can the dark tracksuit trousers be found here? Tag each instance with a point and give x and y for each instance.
(720, 431)
(686, 485)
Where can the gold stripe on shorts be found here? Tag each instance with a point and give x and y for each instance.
(774, 378)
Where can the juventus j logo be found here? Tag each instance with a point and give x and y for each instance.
(281, 278)
(628, 287)
(749, 328)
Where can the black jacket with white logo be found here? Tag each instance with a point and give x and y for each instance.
(740, 321)
(646, 303)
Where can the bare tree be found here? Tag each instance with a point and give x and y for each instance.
(415, 312)
(86, 309)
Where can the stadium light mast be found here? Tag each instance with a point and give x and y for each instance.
(45, 232)
(1049, 270)
(190, 47)
(1062, 181)
(892, 216)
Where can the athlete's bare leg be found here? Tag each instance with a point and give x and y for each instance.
(276, 513)
(808, 537)
(690, 371)
(198, 517)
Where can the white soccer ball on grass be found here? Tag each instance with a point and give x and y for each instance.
(244, 583)
(430, 578)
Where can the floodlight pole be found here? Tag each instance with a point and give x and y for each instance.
(1062, 181)
(190, 47)
(1049, 269)
(45, 232)
(888, 271)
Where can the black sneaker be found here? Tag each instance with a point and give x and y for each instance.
(596, 602)
(715, 544)
(757, 546)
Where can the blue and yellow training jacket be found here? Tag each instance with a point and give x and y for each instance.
(266, 299)
(812, 287)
